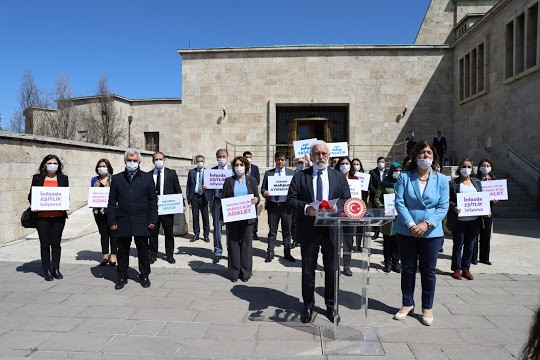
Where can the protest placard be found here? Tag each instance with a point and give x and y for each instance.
(303, 147)
(170, 204)
(390, 204)
(364, 179)
(98, 197)
(356, 188)
(473, 204)
(238, 208)
(338, 149)
(214, 178)
(50, 198)
(497, 189)
(279, 185)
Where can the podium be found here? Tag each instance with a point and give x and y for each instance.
(350, 334)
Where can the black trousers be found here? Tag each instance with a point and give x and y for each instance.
(390, 248)
(199, 204)
(484, 240)
(106, 234)
(124, 246)
(50, 234)
(310, 254)
(240, 249)
(167, 221)
(278, 212)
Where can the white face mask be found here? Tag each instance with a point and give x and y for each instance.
(300, 167)
(200, 164)
(240, 170)
(485, 170)
(52, 168)
(249, 160)
(465, 171)
(222, 162)
(424, 163)
(322, 166)
(159, 164)
(132, 165)
(380, 165)
(356, 167)
(102, 170)
(345, 168)
(396, 174)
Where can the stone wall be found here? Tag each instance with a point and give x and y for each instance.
(22, 155)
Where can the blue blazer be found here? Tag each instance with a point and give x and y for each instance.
(411, 206)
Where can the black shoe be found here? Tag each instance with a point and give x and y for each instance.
(387, 266)
(486, 262)
(206, 239)
(194, 238)
(171, 260)
(120, 283)
(145, 281)
(288, 255)
(441, 250)
(57, 274)
(153, 258)
(375, 235)
(234, 279)
(216, 259)
(396, 267)
(255, 236)
(347, 271)
(48, 276)
(474, 262)
(330, 314)
(306, 316)
(294, 244)
(245, 279)
(269, 257)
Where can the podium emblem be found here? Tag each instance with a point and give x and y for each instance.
(355, 208)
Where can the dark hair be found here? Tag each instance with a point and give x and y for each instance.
(361, 166)
(247, 153)
(381, 158)
(243, 160)
(199, 156)
(157, 152)
(405, 161)
(42, 171)
(108, 163)
(279, 154)
(222, 150)
(351, 170)
(458, 173)
(532, 348)
(416, 151)
(479, 173)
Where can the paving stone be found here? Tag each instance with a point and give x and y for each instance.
(163, 314)
(76, 342)
(48, 310)
(107, 312)
(489, 291)
(218, 348)
(14, 354)
(70, 288)
(157, 302)
(53, 324)
(8, 322)
(157, 345)
(281, 349)
(23, 340)
(419, 335)
(82, 355)
(488, 309)
(427, 352)
(104, 300)
(106, 326)
(481, 352)
(493, 336)
(288, 332)
(148, 327)
(453, 322)
(8, 307)
(507, 299)
(36, 297)
(185, 330)
(220, 317)
(195, 293)
(206, 304)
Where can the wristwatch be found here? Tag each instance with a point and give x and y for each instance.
(429, 226)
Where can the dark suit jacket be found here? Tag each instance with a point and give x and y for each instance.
(375, 181)
(454, 185)
(271, 172)
(254, 173)
(38, 180)
(228, 190)
(171, 184)
(301, 194)
(190, 186)
(440, 145)
(132, 204)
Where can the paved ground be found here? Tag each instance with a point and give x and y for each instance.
(192, 311)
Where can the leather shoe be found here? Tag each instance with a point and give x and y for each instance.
(288, 256)
(403, 315)
(306, 316)
(234, 279)
(474, 262)
(194, 238)
(245, 279)
(206, 239)
(396, 267)
(153, 259)
(294, 244)
(457, 274)
(120, 283)
(387, 266)
(48, 276)
(145, 281)
(216, 259)
(57, 274)
(171, 260)
(269, 257)
(347, 271)
(255, 236)
(441, 250)
(485, 262)
(427, 320)
(467, 274)
(375, 235)
(330, 314)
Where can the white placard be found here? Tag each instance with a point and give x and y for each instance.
(170, 204)
(389, 204)
(50, 198)
(303, 147)
(497, 189)
(214, 178)
(356, 188)
(338, 149)
(98, 197)
(473, 204)
(279, 185)
(238, 208)
(364, 179)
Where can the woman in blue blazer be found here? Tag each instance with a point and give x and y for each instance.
(421, 205)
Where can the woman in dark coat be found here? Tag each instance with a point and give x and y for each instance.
(239, 233)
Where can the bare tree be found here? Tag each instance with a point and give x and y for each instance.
(16, 122)
(104, 121)
(65, 124)
(29, 97)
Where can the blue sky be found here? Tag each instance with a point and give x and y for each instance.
(135, 42)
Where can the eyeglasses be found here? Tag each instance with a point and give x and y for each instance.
(317, 153)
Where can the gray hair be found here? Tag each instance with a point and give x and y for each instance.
(317, 143)
(132, 152)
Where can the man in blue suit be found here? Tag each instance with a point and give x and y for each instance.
(319, 182)
(253, 172)
(198, 199)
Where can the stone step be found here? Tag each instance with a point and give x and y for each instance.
(518, 214)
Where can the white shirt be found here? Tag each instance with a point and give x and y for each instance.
(197, 174)
(325, 184)
(280, 172)
(162, 178)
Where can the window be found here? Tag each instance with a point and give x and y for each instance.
(151, 141)
(532, 36)
(481, 68)
(471, 68)
(519, 42)
(509, 72)
(461, 80)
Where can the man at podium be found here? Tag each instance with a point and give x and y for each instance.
(317, 183)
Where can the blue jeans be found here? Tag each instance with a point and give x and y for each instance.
(426, 251)
(465, 234)
(216, 212)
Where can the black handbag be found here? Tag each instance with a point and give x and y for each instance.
(29, 219)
